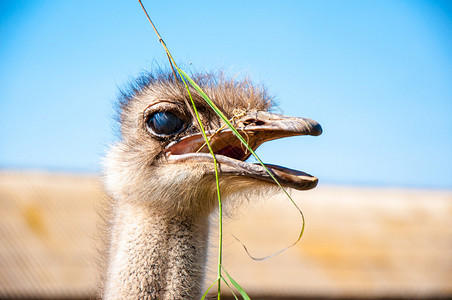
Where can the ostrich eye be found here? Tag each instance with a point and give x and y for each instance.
(165, 123)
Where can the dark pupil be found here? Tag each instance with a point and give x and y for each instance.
(165, 123)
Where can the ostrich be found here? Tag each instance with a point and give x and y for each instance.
(161, 183)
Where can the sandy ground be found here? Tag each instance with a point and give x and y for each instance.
(358, 242)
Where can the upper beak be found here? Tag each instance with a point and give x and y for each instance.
(284, 125)
(256, 128)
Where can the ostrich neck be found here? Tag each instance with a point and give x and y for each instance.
(155, 256)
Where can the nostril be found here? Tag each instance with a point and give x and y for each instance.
(253, 122)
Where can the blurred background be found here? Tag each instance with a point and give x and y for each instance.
(376, 75)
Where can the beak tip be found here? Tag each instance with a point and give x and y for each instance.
(316, 128)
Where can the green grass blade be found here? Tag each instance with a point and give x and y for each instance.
(184, 77)
(227, 284)
(244, 142)
(237, 286)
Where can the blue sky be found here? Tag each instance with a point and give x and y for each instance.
(376, 74)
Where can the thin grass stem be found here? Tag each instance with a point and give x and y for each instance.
(195, 114)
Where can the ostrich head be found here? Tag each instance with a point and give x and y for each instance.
(162, 161)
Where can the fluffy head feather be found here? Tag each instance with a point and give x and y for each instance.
(135, 167)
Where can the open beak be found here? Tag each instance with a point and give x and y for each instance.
(256, 128)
